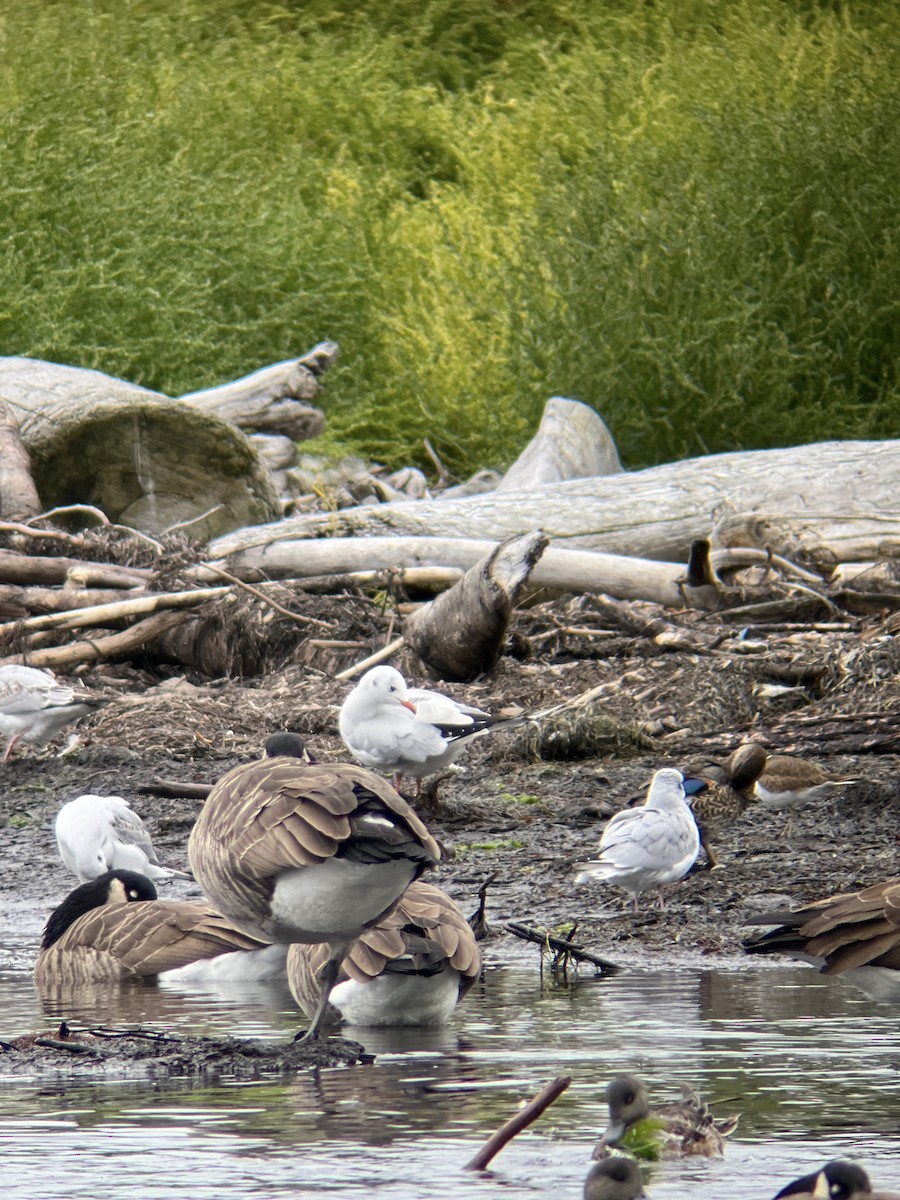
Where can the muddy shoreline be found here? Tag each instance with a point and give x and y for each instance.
(523, 808)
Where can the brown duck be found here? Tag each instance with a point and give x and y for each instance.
(678, 1129)
(729, 791)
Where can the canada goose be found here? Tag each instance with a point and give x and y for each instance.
(788, 783)
(114, 929)
(649, 846)
(723, 792)
(678, 1129)
(412, 968)
(837, 1180)
(615, 1178)
(95, 834)
(409, 731)
(34, 706)
(856, 935)
(294, 851)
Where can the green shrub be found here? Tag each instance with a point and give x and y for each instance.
(682, 214)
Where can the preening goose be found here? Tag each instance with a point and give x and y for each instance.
(409, 731)
(678, 1129)
(34, 706)
(96, 834)
(114, 929)
(646, 847)
(412, 968)
(856, 935)
(615, 1178)
(293, 851)
(837, 1180)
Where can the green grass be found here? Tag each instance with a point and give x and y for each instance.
(682, 214)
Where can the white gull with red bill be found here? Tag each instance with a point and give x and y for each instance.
(388, 726)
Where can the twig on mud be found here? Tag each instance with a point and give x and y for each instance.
(172, 789)
(285, 612)
(522, 1119)
(372, 660)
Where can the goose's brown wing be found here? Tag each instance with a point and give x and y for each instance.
(121, 941)
(281, 813)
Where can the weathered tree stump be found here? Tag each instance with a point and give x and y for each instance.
(572, 442)
(460, 633)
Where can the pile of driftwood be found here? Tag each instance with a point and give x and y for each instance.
(158, 536)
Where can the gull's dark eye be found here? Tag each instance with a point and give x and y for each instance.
(629, 1098)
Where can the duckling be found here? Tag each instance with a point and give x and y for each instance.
(837, 1180)
(390, 727)
(294, 851)
(649, 846)
(96, 834)
(35, 706)
(114, 929)
(725, 794)
(855, 935)
(678, 1129)
(615, 1178)
(412, 968)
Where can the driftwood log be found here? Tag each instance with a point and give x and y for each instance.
(153, 462)
(830, 502)
(460, 634)
(572, 442)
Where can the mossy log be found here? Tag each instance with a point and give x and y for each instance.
(146, 460)
(830, 502)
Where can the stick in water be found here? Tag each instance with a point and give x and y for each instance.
(517, 1123)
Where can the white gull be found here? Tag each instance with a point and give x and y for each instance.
(34, 705)
(96, 834)
(646, 847)
(390, 727)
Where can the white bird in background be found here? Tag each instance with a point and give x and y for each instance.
(646, 847)
(96, 834)
(390, 727)
(34, 706)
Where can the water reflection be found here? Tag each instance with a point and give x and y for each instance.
(811, 1065)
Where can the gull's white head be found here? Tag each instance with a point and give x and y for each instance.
(384, 686)
(666, 788)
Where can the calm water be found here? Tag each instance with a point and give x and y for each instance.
(812, 1066)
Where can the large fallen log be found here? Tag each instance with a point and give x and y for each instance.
(153, 462)
(830, 502)
(146, 460)
(558, 570)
